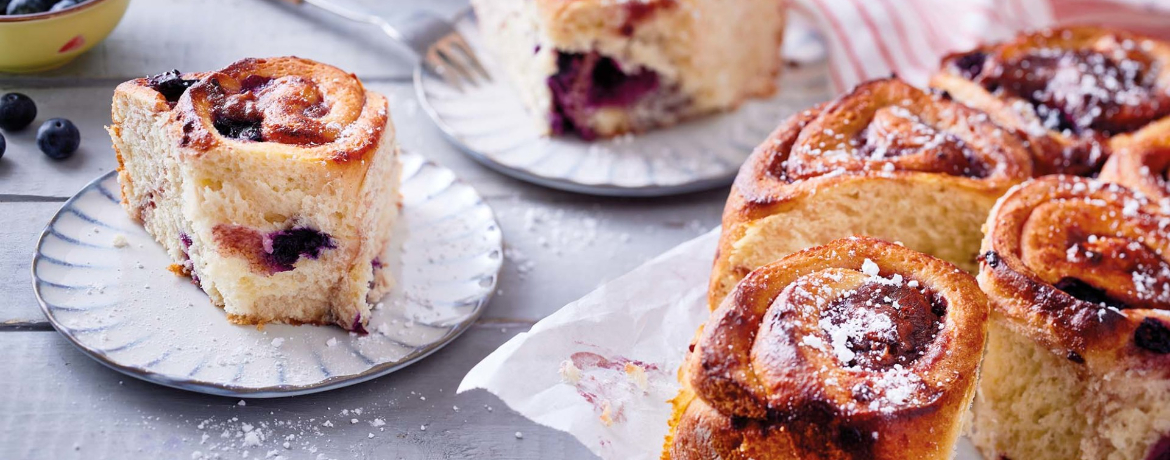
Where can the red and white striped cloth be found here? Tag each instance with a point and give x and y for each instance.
(869, 39)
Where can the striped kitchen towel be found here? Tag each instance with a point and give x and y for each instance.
(869, 39)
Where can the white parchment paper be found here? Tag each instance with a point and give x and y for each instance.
(645, 318)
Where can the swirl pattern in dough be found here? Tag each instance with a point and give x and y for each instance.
(1141, 161)
(1078, 361)
(857, 349)
(1065, 90)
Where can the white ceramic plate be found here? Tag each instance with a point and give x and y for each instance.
(122, 307)
(489, 123)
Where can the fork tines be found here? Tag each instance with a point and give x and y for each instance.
(453, 59)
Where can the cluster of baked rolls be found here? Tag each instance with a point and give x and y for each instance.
(847, 321)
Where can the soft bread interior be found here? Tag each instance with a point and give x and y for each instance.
(930, 217)
(1025, 405)
(1032, 403)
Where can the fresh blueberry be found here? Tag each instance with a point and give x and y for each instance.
(63, 4)
(3, 145)
(16, 111)
(29, 6)
(58, 138)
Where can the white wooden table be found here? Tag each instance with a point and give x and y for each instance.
(57, 403)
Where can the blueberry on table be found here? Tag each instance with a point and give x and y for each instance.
(3, 145)
(58, 138)
(63, 4)
(16, 111)
(29, 6)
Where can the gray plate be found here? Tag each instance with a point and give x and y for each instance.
(490, 124)
(123, 308)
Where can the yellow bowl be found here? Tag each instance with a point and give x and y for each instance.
(43, 41)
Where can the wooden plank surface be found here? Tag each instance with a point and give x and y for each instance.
(206, 34)
(57, 403)
(18, 236)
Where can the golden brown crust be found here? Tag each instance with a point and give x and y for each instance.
(883, 127)
(245, 320)
(857, 349)
(316, 110)
(623, 15)
(1141, 161)
(1083, 268)
(884, 130)
(1065, 90)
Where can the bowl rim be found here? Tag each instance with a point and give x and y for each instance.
(50, 14)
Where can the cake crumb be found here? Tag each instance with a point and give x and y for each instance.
(569, 372)
(120, 241)
(638, 375)
(606, 413)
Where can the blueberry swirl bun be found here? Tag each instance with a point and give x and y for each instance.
(291, 106)
(859, 349)
(1078, 361)
(273, 183)
(885, 160)
(1141, 161)
(1065, 90)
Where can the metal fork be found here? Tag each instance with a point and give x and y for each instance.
(442, 49)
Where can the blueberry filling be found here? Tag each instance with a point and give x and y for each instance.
(1081, 91)
(586, 82)
(1085, 292)
(170, 84)
(247, 130)
(254, 83)
(1153, 335)
(357, 327)
(912, 319)
(970, 65)
(283, 248)
(1160, 450)
(188, 265)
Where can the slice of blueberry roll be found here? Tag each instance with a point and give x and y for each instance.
(272, 183)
